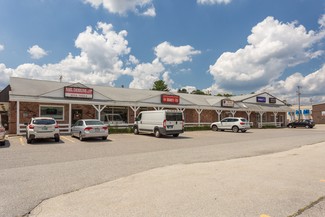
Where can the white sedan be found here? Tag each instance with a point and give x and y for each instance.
(89, 128)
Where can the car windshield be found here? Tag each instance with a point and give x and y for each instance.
(94, 122)
(43, 121)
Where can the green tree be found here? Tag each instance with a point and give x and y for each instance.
(160, 85)
(182, 90)
(199, 92)
(225, 94)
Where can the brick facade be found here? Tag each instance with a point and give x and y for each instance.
(29, 110)
(318, 116)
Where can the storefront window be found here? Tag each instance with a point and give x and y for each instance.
(115, 115)
(56, 112)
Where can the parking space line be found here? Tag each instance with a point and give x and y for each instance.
(264, 215)
(66, 138)
(323, 180)
(21, 141)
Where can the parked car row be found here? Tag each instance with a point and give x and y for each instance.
(161, 122)
(48, 128)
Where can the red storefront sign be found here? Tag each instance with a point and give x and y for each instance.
(78, 92)
(169, 99)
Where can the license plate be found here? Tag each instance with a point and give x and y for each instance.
(97, 130)
(169, 126)
(44, 128)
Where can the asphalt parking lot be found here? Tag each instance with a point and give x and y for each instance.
(31, 173)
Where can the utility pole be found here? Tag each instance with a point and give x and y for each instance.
(299, 93)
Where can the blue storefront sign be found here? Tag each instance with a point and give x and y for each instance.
(297, 112)
(260, 99)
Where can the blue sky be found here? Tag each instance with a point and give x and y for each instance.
(219, 46)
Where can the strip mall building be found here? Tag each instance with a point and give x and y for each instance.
(24, 98)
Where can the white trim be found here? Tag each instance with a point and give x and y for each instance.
(70, 117)
(219, 112)
(18, 118)
(99, 110)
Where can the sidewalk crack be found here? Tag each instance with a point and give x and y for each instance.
(311, 205)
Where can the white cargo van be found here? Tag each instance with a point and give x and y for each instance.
(161, 122)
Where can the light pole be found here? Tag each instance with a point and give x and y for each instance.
(298, 93)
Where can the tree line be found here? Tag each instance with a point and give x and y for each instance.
(160, 85)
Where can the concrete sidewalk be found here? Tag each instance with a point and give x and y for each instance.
(273, 185)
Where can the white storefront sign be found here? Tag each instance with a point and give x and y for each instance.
(78, 92)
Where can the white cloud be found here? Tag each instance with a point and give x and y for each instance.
(166, 78)
(145, 74)
(312, 87)
(151, 12)
(170, 54)
(189, 89)
(104, 57)
(5, 73)
(212, 2)
(99, 61)
(141, 7)
(321, 21)
(2, 47)
(272, 47)
(133, 60)
(36, 52)
(103, 48)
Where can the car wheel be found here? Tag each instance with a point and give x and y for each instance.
(290, 126)
(235, 129)
(214, 128)
(57, 139)
(157, 133)
(243, 131)
(80, 137)
(307, 126)
(2, 143)
(136, 130)
(175, 135)
(104, 137)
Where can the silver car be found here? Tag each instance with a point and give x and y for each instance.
(89, 128)
(42, 128)
(231, 123)
(2, 135)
